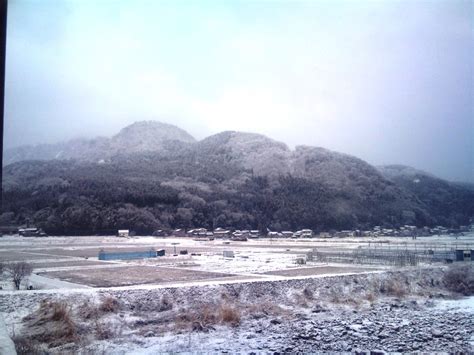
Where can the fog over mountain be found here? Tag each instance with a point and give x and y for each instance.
(388, 81)
(153, 175)
(138, 137)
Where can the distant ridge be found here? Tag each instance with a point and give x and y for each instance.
(139, 137)
(153, 175)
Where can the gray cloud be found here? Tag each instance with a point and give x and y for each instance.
(390, 82)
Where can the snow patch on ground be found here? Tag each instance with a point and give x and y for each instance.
(459, 305)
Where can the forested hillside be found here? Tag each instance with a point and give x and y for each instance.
(232, 179)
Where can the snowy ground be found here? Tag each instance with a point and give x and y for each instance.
(74, 259)
(457, 305)
(69, 261)
(262, 281)
(327, 313)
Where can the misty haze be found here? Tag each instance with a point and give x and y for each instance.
(240, 176)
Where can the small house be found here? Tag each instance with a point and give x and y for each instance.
(274, 234)
(160, 233)
(179, 232)
(254, 233)
(221, 233)
(197, 232)
(31, 232)
(123, 233)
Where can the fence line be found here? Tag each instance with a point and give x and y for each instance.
(400, 254)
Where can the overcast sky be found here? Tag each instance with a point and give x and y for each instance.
(387, 81)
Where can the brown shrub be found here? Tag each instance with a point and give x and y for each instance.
(60, 312)
(394, 285)
(229, 315)
(109, 304)
(395, 288)
(370, 296)
(460, 279)
(206, 314)
(201, 318)
(204, 317)
(52, 323)
(264, 309)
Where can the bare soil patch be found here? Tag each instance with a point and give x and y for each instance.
(132, 275)
(46, 264)
(22, 256)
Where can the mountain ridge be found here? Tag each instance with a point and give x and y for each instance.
(81, 146)
(129, 139)
(161, 177)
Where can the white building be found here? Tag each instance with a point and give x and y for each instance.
(123, 233)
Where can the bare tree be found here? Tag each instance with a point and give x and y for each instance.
(18, 271)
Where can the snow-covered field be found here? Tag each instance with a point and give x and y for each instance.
(179, 303)
(69, 261)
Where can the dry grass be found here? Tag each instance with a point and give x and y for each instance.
(109, 304)
(395, 286)
(204, 317)
(229, 315)
(52, 324)
(460, 279)
(370, 296)
(339, 294)
(201, 318)
(265, 309)
(91, 311)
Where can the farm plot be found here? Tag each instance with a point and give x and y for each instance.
(6, 256)
(321, 270)
(91, 252)
(243, 262)
(132, 275)
(65, 263)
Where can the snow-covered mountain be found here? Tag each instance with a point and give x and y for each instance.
(139, 137)
(155, 175)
